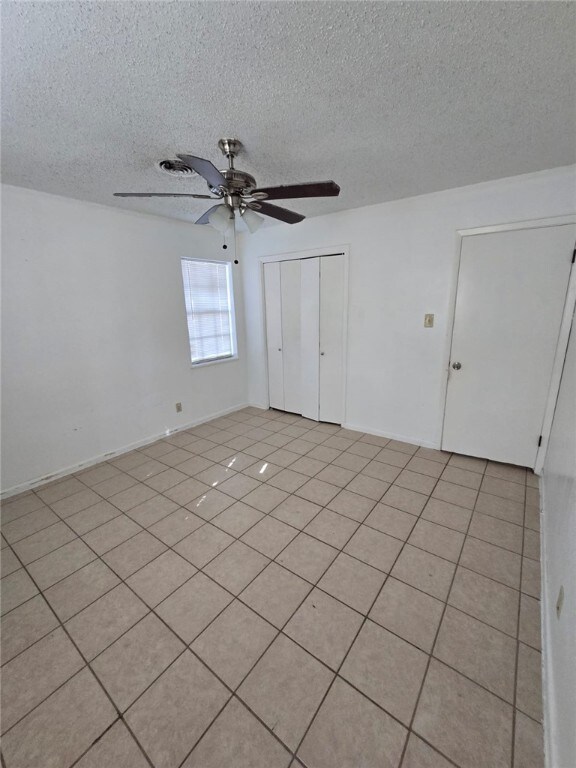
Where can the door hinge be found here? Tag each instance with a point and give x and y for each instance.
(539, 441)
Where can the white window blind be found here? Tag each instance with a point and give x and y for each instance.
(209, 309)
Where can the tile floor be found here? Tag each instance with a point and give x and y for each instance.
(263, 591)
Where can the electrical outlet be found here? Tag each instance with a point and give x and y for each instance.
(428, 321)
(178, 407)
(559, 602)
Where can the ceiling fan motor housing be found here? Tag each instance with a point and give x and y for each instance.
(237, 182)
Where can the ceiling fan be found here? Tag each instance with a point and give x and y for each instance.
(238, 192)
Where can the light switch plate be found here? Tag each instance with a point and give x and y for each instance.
(428, 321)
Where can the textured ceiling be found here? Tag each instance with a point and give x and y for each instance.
(388, 99)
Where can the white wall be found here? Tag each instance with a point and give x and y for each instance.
(559, 547)
(95, 346)
(402, 265)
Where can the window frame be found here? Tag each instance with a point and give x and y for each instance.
(231, 309)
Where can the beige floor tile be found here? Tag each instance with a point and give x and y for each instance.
(159, 578)
(392, 521)
(136, 659)
(324, 627)
(421, 755)
(380, 471)
(29, 524)
(237, 519)
(239, 486)
(9, 562)
(394, 458)
(351, 505)
(134, 554)
(492, 561)
(59, 489)
(450, 515)
(340, 443)
(270, 536)
(498, 532)
(531, 577)
(152, 510)
(503, 488)
(307, 466)
(532, 497)
(285, 688)
(260, 450)
(116, 747)
(288, 481)
(531, 545)
(407, 612)
(203, 545)
(236, 566)
(233, 643)
(506, 472)
(387, 669)
(78, 501)
(432, 454)
(90, 518)
(462, 477)
(374, 548)
(18, 506)
(532, 480)
(15, 589)
(367, 486)
(349, 731)
(528, 743)
(57, 732)
(31, 677)
(425, 466)
(166, 479)
(415, 481)
(132, 497)
(336, 475)
(210, 504)
(505, 509)
(114, 485)
(468, 462)
(363, 449)
(529, 682)
(102, 622)
(60, 563)
(424, 571)
(129, 460)
(437, 539)
(147, 470)
(81, 588)
(485, 599)
(296, 512)
(169, 718)
(185, 492)
(242, 462)
(176, 457)
(39, 544)
(111, 534)
(403, 447)
(307, 557)
(317, 491)
(275, 594)
(25, 625)
(352, 582)
(466, 723)
(98, 474)
(455, 494)
(190, 609)
(345, 460)
(176, 526)
(404, 499)
(300, 446)
(331, 528)
(265, 498)
(204, 469)
(283, 457)
(530, 623)
(478, 651)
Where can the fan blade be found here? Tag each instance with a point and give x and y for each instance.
(205, 168)
(282, 214)
(205, 216)
(161, 194)
(309, 189)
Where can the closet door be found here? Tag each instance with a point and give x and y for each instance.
(273, 301)
(291, 337)
(332, 312)
(310, 336)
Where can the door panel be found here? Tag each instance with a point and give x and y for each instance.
(511, 293)
(310, 336)
(273, 301)
(291, 349)
(332, 306)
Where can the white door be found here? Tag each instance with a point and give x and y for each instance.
(332, 304)
(511, 293)
(291, 339)
(273, 303)
(310, 337)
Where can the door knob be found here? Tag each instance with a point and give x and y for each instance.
(456, 366)
(322, 354)
(279, 349)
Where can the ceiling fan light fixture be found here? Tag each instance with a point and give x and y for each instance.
(252, 220)
(222, 219)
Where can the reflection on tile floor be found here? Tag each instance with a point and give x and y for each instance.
(263, 591)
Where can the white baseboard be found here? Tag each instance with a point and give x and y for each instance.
(392, 436)
(30, 484)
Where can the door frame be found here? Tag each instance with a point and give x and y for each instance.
(565, 325)
(333, 250)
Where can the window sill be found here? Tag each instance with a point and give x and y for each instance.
(205, 364)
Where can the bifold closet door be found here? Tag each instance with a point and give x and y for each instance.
(332, 313)
(310, 337)
(291, 337)
(273, 302)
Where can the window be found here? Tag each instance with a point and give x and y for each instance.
(209, 309)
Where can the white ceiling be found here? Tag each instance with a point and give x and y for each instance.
(388, 99)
